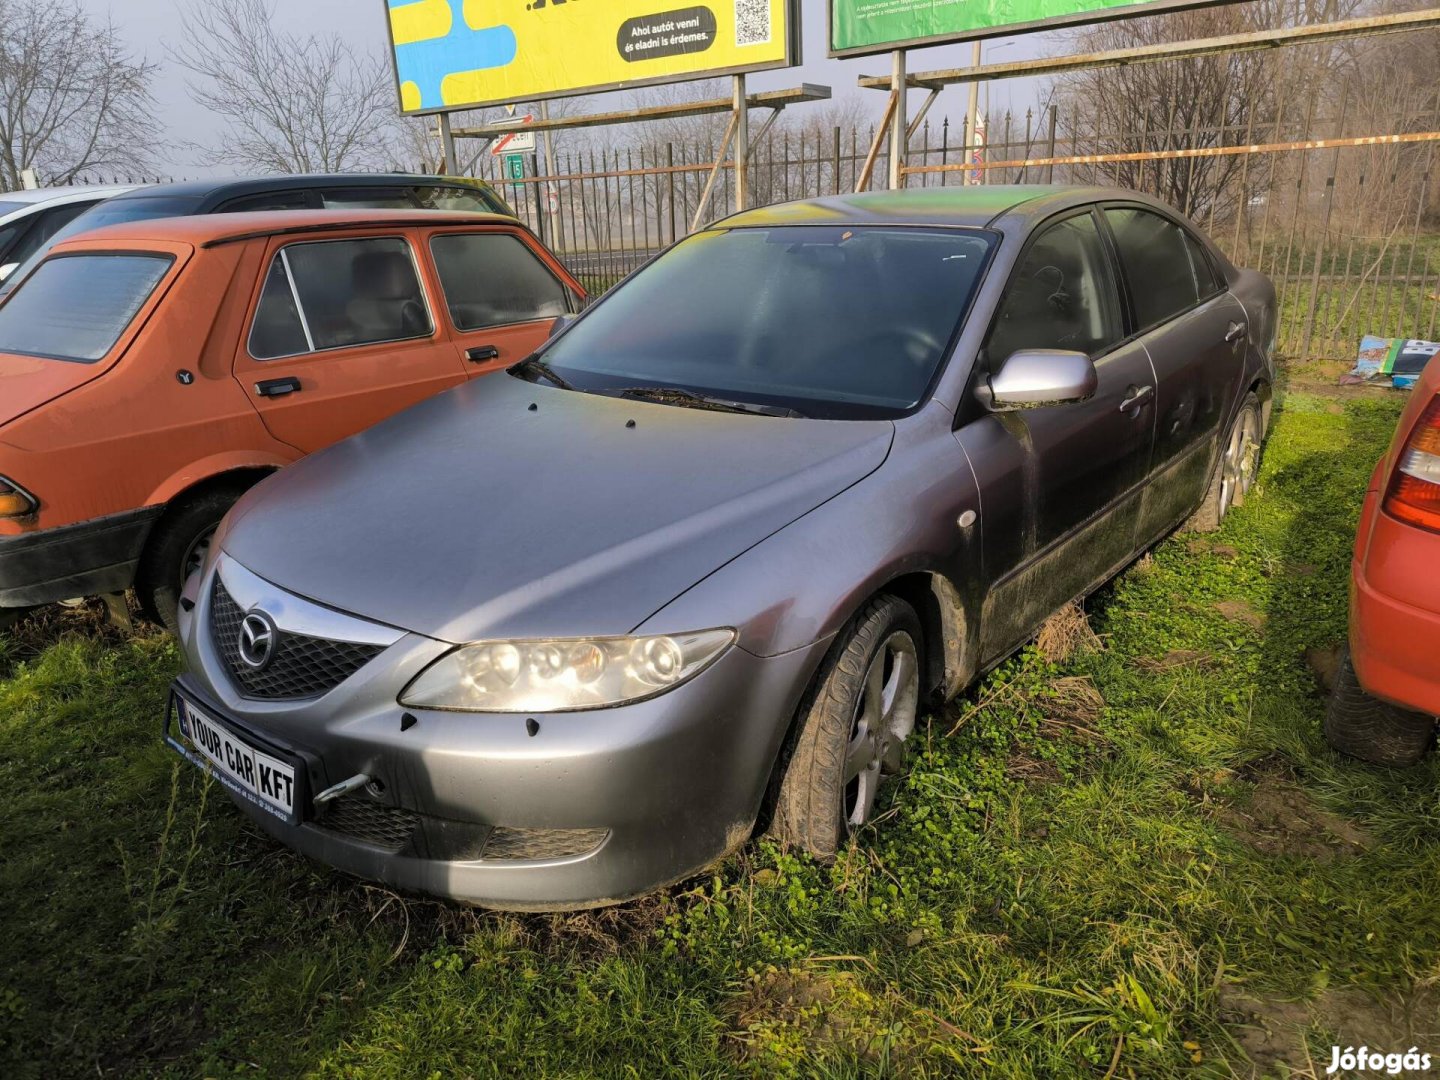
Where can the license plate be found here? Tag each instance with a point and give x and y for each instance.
(247, 770)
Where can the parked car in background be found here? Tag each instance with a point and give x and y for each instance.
(152, 372)
(341, 191)
(1387, 688)
(28, 219)
(546, 641)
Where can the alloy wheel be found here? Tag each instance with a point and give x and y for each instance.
(884, 719)
(1242, 457)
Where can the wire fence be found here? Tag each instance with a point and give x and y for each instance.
(1344, 219)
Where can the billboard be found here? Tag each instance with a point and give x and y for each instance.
(858, 27)
(458, 54)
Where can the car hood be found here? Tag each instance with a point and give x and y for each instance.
(510, 509)
(27, 382)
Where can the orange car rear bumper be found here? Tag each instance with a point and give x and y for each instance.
(1394, 642)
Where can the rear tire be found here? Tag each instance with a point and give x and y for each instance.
(1235, 471)
(852, 728)
(1373, 730)
(176, 548)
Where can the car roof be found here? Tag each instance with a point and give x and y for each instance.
(35, 196)
(209, 230)
(973, 206)
(232, 186)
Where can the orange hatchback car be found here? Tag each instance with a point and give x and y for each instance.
(150, 373)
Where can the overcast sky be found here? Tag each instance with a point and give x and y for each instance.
(151, 25)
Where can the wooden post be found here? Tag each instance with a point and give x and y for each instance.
(898, 132)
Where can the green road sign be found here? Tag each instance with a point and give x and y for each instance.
(866, 26)
(515, 166)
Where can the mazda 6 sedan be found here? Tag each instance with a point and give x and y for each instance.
(555, 638)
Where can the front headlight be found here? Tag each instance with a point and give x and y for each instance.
(563, 674)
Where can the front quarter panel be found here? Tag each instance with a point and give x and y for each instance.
(805, 582)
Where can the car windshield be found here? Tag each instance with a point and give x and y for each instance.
(110, 212)
(839, 322)
(75, 307)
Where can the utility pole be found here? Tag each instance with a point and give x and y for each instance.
(970, 139)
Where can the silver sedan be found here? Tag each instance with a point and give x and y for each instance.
(563, 635)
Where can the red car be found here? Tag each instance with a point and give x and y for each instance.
(1387, 691)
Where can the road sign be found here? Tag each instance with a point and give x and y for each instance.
(515, 166)
(515, 142)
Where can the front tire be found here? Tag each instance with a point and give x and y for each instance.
(1370, 729)
(1235, 472)
(852, 728)
(177, 548)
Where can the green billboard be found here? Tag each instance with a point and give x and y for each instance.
(870, 26)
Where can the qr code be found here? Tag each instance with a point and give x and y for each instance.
(752, 22)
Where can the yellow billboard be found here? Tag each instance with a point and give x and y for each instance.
(459, 54)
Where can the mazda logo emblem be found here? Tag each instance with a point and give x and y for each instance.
(257, 640)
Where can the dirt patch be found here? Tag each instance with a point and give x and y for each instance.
(1032, 770)
(1066, 633)
(1272, 1033)
(1241, 611)
(1280, 819)
(1175, 659)
(1324, 662)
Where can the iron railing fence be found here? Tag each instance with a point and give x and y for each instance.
(1345, 219)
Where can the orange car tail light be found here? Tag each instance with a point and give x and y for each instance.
(1414, 493)
(15, 502)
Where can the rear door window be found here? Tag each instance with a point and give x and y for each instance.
(75, 307)
(1157, 263)
(493, 278)
(334, 294)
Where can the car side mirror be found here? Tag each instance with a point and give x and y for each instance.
(1033, 378)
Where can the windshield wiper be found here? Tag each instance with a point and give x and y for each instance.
(533, 365)
(673, 395)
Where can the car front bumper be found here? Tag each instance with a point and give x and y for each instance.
(85, 559)
(575, 810)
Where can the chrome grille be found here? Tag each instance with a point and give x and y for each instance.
(301, 666)
(388, 827)
(535, 844)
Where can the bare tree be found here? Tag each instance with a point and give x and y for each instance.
(72, 100)
(289, 103)
(1193, 103)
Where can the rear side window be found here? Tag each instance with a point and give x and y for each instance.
(493, 278)
(270, 200)
(75, 307)
(1156, 257)
(337, 293)
(411, 198)
(1208, 281)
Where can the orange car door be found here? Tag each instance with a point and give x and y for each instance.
(342, 334)
(501, 296)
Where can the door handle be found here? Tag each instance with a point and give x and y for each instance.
(277, 387)
(1136, 397)
(481, 353)
(1236, 331)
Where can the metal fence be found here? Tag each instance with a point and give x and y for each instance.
(1345, 220)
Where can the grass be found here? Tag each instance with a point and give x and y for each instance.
(1140, 861)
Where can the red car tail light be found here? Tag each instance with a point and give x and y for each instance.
(1414, 493)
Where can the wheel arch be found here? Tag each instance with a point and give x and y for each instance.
(212, 471)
